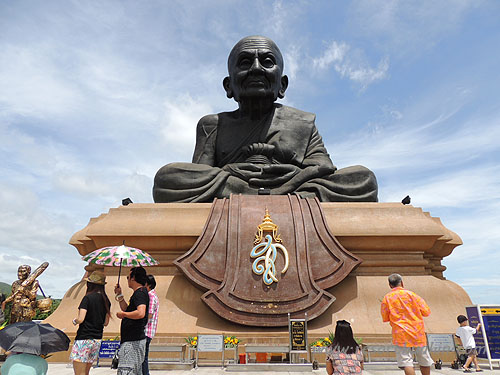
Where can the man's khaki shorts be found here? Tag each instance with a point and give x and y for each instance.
(404, 356)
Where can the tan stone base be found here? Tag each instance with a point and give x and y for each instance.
(389, 237)
(358, 301)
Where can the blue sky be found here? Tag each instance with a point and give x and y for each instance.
(96, 96)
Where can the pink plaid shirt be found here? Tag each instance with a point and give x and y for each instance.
(154, 307)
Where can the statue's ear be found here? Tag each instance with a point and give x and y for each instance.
(226, 82)
(284, 86)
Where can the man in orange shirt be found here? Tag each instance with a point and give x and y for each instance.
(405, 311)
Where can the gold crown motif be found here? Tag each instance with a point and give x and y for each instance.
(267, 225)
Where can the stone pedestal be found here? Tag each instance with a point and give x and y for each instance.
(389, 237)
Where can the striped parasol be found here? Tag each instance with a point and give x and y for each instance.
(120, 256)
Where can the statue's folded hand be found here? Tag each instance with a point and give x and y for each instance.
(275, 175)
(302, 176)
(244, 171)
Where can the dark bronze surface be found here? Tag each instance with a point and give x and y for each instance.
(220, 261)
(262, 144)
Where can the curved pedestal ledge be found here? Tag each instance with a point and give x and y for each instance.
(387, 236)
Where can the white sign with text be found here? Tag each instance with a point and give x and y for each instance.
(210, 343)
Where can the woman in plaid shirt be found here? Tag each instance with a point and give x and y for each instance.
(344, 355)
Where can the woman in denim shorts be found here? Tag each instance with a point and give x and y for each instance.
(93, 316)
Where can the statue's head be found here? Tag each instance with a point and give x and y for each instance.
(23, 271)
(255, 67)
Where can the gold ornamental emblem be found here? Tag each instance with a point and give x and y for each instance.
(267, 243)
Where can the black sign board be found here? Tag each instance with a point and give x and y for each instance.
(298, 336)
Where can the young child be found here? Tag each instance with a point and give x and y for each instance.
(465, 333)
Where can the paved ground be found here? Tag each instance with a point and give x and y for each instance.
(66, 369)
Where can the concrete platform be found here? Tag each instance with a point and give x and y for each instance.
(171, 366)
(269, 367)
(382, 369)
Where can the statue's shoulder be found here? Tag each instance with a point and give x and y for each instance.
(209, 120)
(290, 113)
(207, 125)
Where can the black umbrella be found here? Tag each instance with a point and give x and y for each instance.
(33, 338)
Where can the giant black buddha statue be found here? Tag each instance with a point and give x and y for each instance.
(262, 144)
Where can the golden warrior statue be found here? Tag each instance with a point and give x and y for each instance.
(24, 292)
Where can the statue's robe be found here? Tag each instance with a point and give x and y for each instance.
(296, 142)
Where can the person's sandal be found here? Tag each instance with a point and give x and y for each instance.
(467, 370)
(479, 370)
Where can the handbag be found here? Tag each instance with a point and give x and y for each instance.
(115, 360)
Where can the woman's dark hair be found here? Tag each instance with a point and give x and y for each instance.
(151, 282)
(344, 339)
(97, 288)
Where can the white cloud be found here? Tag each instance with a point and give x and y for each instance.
(280, 17)
(351, 64)
(10, 263)
(179, 123)
(334, 54)
(32, 234)
(450, 188)
(364, 75)
(292, 57)
(109, 184)
(426, 135)
(86, 185)
(408, 26)
(483, 295)
(482, 290)
(484, 226)
(108, 75)
(24, 225)
(484, 281)
(31, 83)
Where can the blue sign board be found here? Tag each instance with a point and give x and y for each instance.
(108, 348)
(490, 318)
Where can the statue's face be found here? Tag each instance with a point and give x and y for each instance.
(255, 70)
(23, 272)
